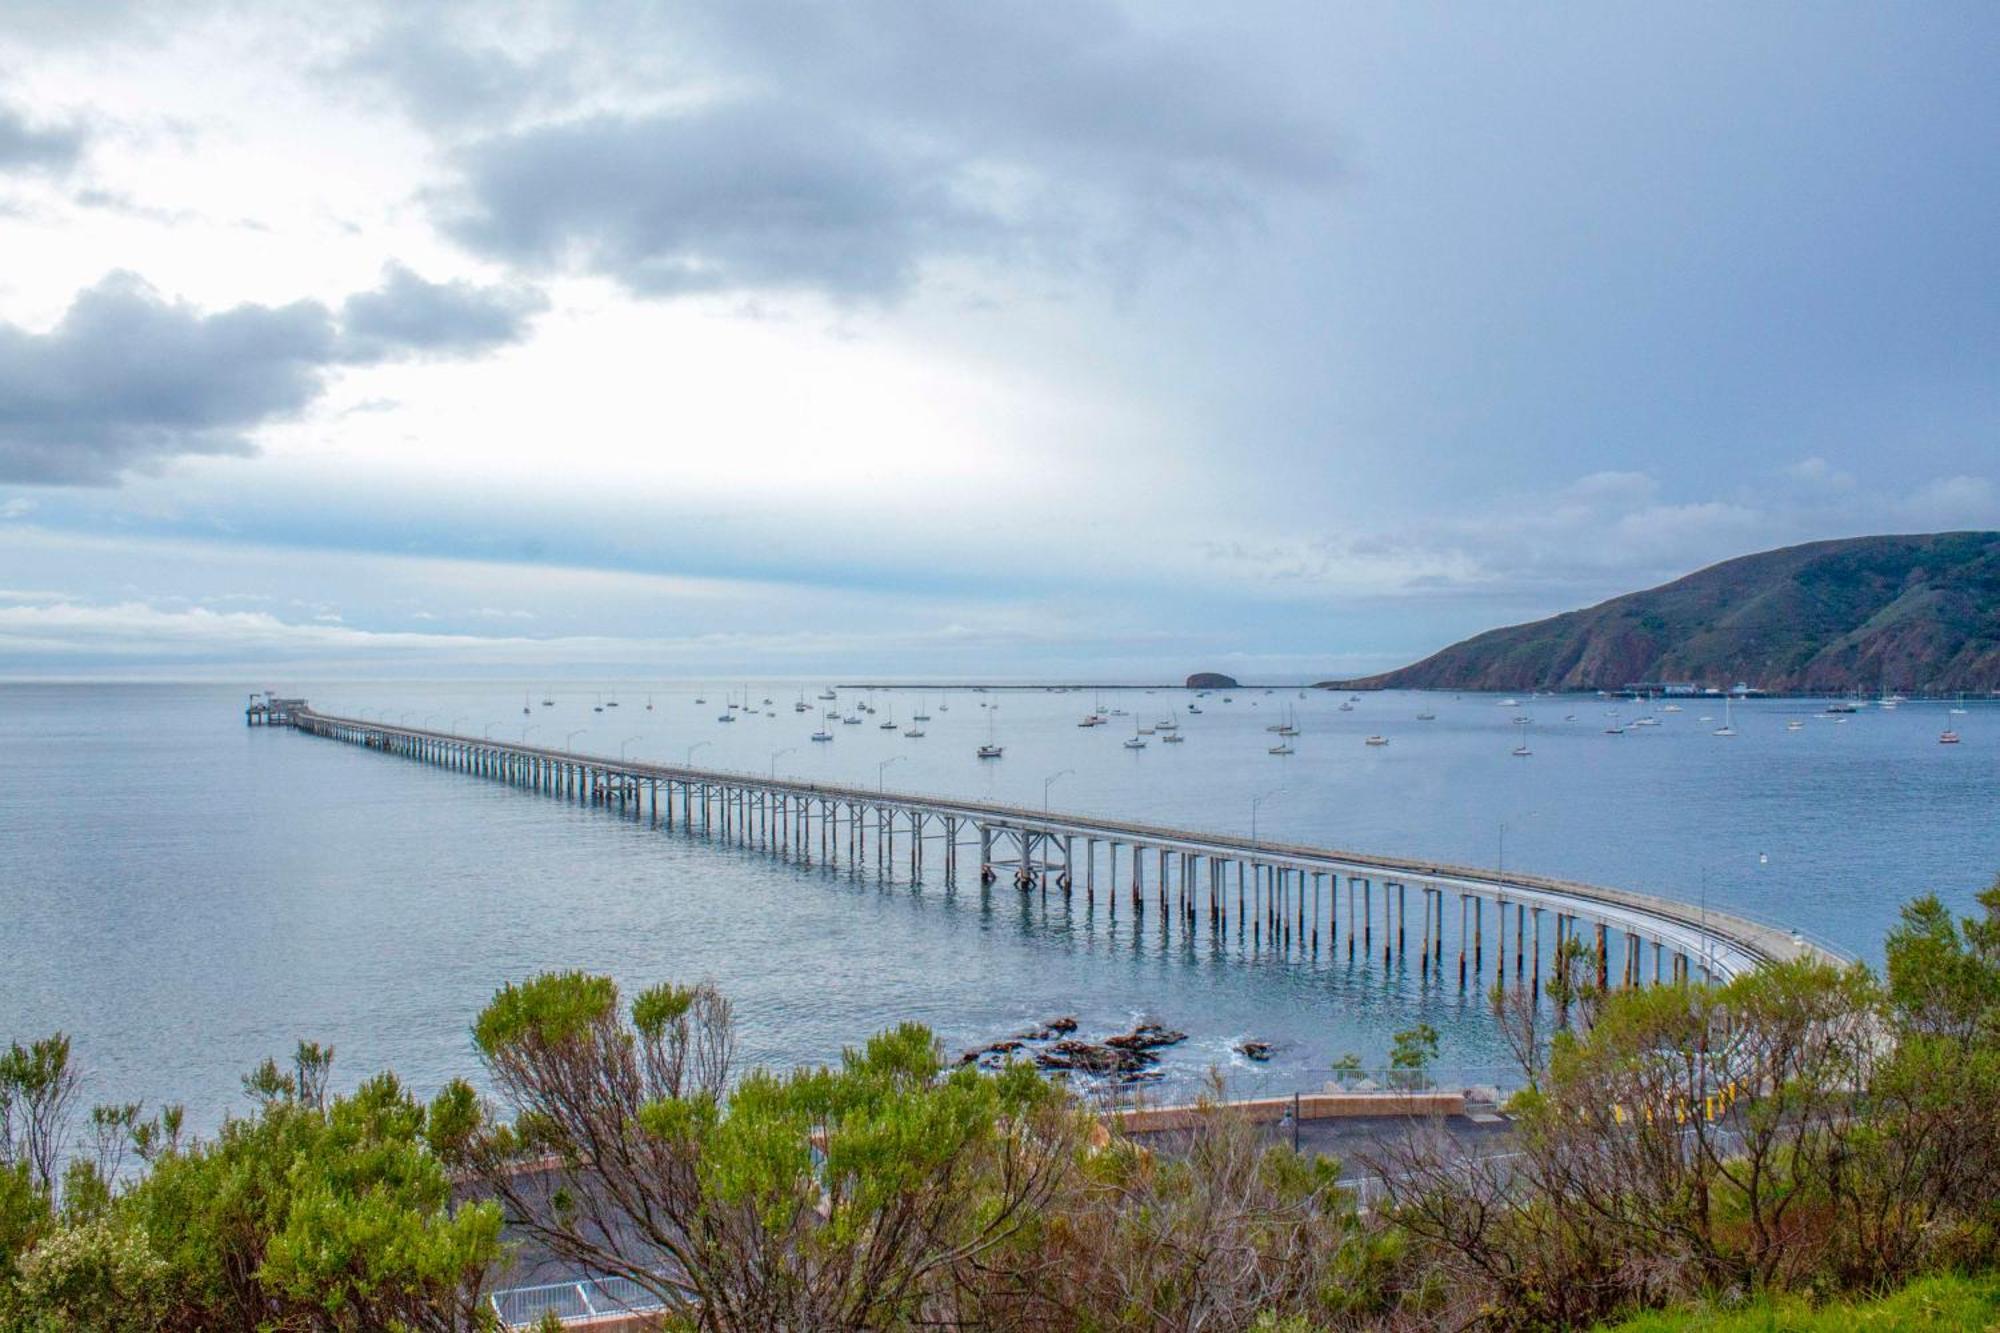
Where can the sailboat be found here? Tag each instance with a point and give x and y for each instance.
(822, 735)
(1522, 751)
(1376, 740)
(828, 695)
(802, 706)
(1171, 733)
(920, 715)
(990, 750)
(1728, 727)
(524, 702)
(888, 723)
(1958, 709)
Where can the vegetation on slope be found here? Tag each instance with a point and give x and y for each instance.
(1909, 612)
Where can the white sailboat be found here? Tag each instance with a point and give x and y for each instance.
(992, 749)
(1728, 727)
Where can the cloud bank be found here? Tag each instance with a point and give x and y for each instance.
(129, 379)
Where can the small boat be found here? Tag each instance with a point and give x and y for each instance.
(851, 720)
(1671, 708)
(992, 749)
(1376, 740)
(822, 735)
(1509, 703)
(1645, 722)
(802, 706)
(1795, 725)
(1614, 730)
(920, 715)
(1843, 706)
(1427, 717)
(1948, 738)
(1282, 747)
(725, 717)
(1092, 721)
(699, 700)
(1135, 742)
(597, 708)
(1172, 738)
(649, 703)
(828, 695)
(1346, 707)
(1194, 708)
(914, 732)
(1521, 751)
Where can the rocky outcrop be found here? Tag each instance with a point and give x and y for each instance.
(1211, 680)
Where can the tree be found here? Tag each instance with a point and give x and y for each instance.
(315, 1217)
(1413, 1052)
(857, 1195)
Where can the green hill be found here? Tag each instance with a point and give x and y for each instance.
(1907, 612)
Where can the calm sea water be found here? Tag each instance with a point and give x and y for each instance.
(185, 895)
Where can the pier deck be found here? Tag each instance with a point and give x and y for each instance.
(1299, 894)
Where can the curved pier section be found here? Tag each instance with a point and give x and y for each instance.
(1500, 926)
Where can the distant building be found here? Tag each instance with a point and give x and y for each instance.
(1670, 688)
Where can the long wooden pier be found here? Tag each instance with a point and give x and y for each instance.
(1294, 896)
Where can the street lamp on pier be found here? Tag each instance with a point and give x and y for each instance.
(1048, 781)
(774, 758)
(691, 749)
(882, 768)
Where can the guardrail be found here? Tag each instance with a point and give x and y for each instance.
(580, 1301)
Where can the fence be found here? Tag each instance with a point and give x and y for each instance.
(574, 1302)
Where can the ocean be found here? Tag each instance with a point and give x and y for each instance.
(184, 895)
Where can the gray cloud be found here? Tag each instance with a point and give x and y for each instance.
(407, 316)
(26, 147)
(441, 80)
(840, 149)
(725, 199)
(128, 379)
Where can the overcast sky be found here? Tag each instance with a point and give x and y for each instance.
(995, 339)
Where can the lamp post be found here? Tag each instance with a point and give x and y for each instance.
(428, 719)
(774, 758)
(622, 744)
(573, 735)
(1049, 781)
(883, 767)
(526, 727)
(456, 720)
(1256, 801)
(488, 733)
(691, 749)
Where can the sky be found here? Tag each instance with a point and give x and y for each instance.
(1003, 340)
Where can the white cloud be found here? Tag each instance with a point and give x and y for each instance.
(1961, 500)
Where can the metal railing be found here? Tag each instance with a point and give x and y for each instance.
(573, 1302)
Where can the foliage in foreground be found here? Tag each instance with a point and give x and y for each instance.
(1940, 1304)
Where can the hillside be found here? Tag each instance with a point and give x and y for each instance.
(1910, 612)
